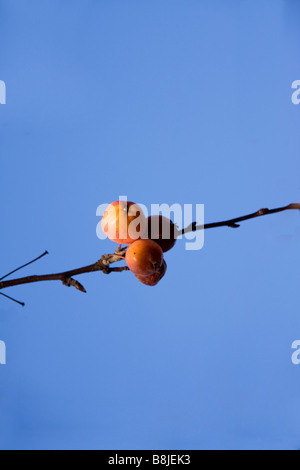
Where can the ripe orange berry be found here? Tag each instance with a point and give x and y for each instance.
(153, 279)
(124, 222)
(144, 257)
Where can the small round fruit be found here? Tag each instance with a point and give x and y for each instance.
(144, 257)
(123, 222)
(153, 279)
(162, 231)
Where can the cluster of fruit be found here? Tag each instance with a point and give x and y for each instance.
(148, 239)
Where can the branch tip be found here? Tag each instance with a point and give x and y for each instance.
(24, 265)
(14, 300)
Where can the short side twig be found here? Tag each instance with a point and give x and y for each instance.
(24, 265)
(14, 300)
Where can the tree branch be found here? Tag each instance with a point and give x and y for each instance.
(105, 261)
(234, 223)
(66, 277)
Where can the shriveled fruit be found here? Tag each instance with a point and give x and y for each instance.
(154, 278)
(144, 257)
(162, 231)
(124, 222)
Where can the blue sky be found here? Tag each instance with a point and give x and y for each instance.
(183, 102)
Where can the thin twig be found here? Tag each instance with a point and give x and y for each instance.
(14, 300)
(234, 223)
(24, 265)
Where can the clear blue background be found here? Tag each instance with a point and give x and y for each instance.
(162, 101)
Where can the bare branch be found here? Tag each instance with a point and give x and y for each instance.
(234, 223)
(66, 277)
(103, 264)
